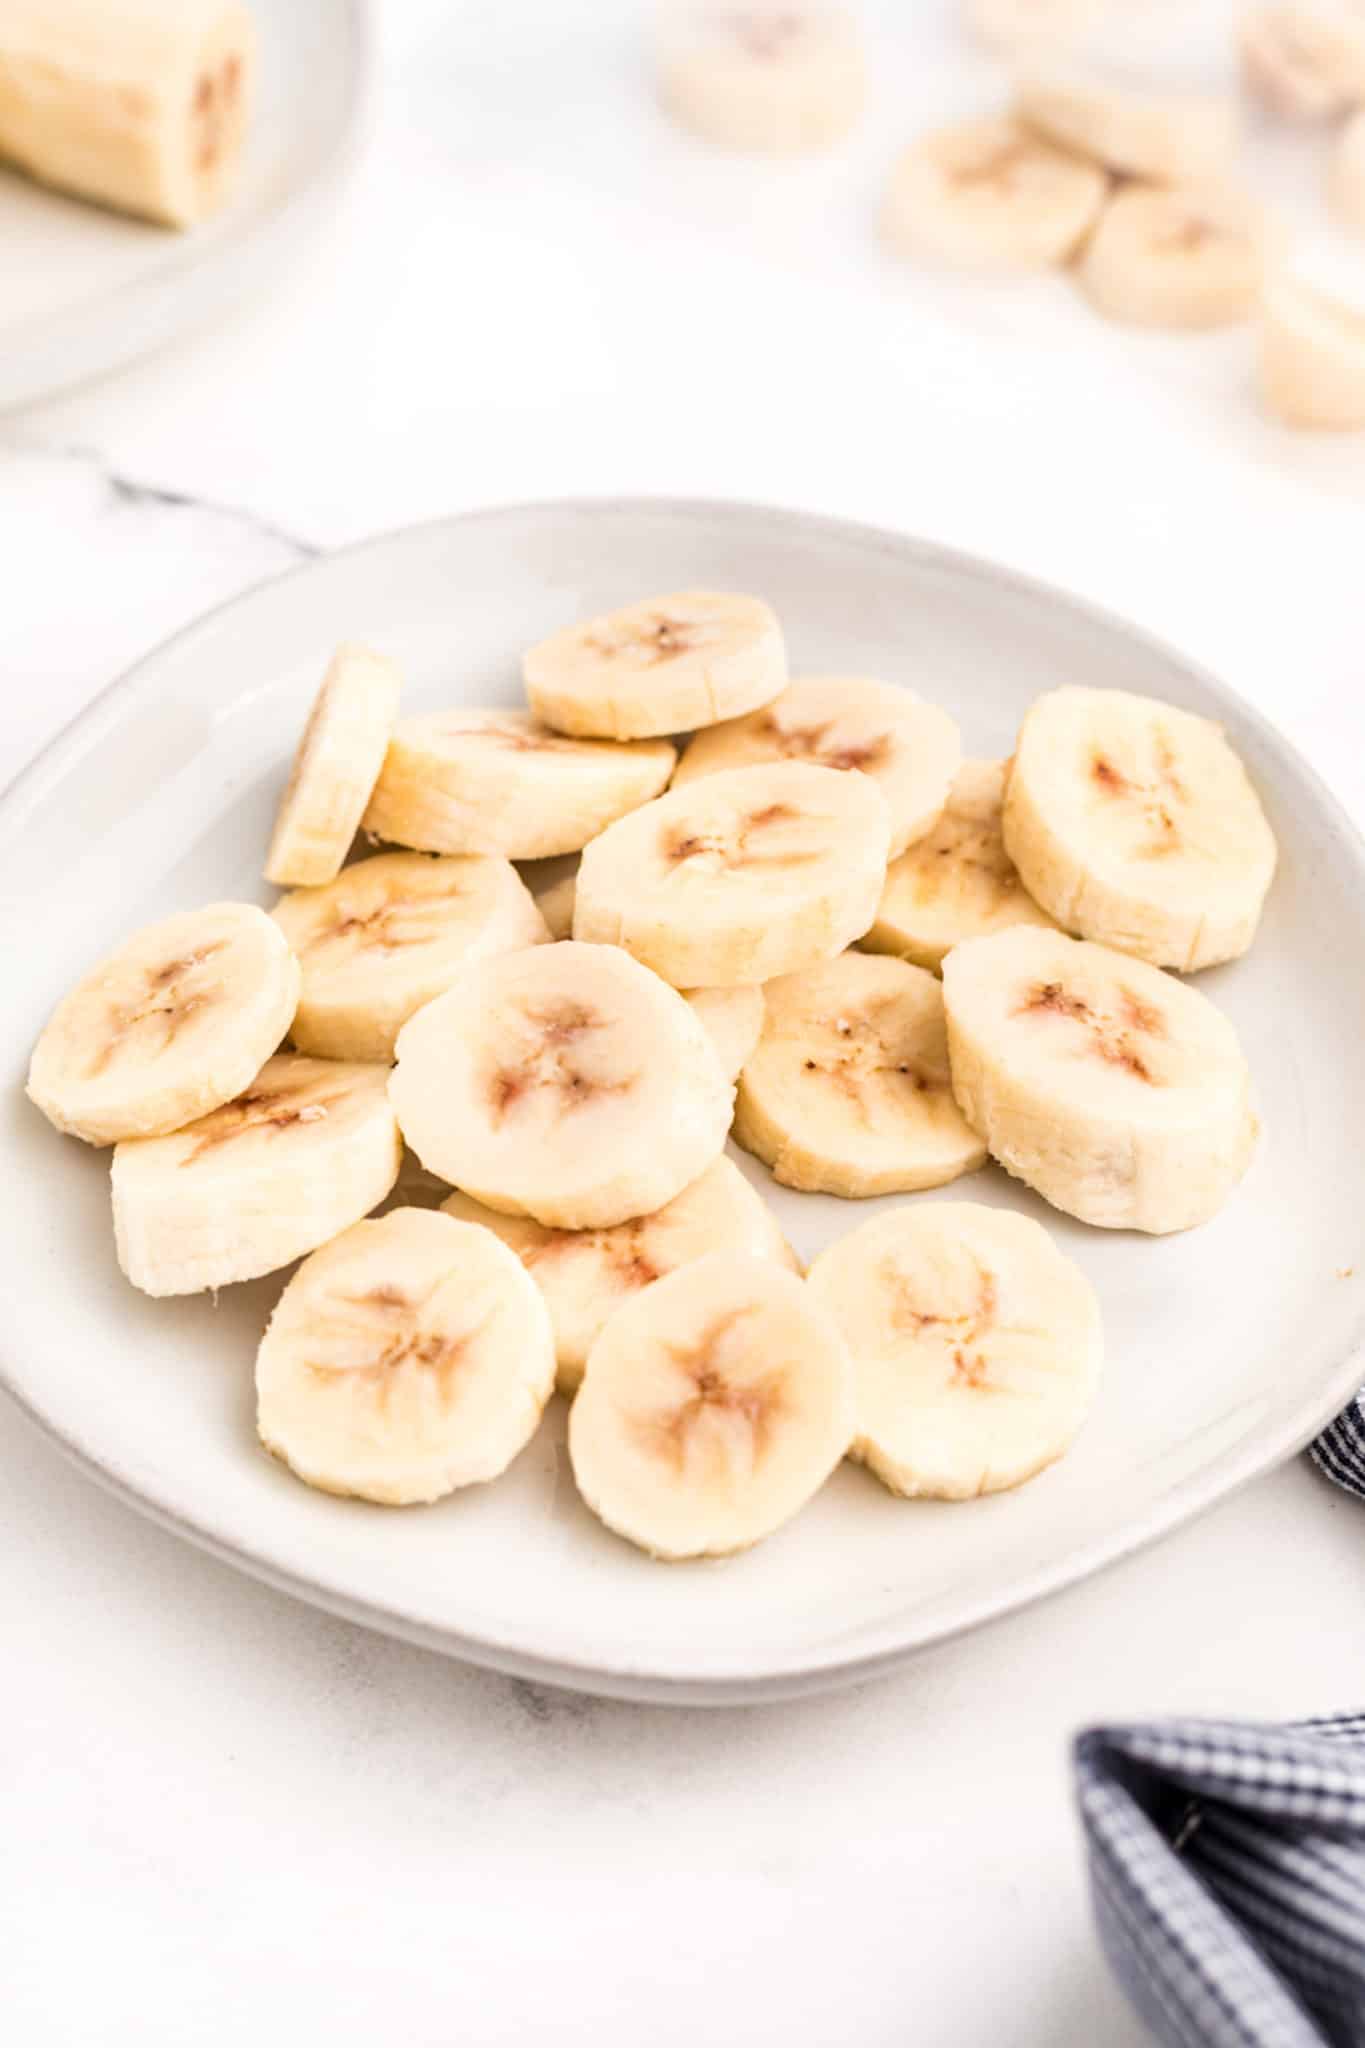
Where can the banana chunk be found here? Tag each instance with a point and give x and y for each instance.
(766, 77)
(564, 1083)
(309, 1148)
(1014, 28)
(1164, 258)
(1312, 357)
(1304, 63)
(335, 769)
(408, 1358)
(911, 749)
(739, 876)
(957, 882)
(667, 664)
(498, 782)
(1136, 825)
(849, 1092)
(174, 1023)
(990, 194)
(976, 1346)
(391, 934)
(1117, 1092)
(585, 1275)
(1137, 125)
(714, 1405)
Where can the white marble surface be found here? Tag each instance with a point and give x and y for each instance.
(227, 1814)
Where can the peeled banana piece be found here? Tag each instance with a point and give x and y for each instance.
(763, 77)
(976, 1346)
(335, 769)
(1312, 356)
(1142, 127)
(1304, 62)
(1166, 258)
(991, 194)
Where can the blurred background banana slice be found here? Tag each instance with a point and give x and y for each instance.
(991, 194)
(1162, 257)
(1144, 126)
(766, 77)
(1304, 62)
(1312, 355)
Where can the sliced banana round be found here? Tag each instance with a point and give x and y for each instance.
(739, 876)
(911, 749)
(1304, 62)
(957, 882)
(564, 1083)
(1143, 126)
(335, 769)
(764, 76)
(1346, 177)
(713, 1406)
(976, 1346)
(497, 782)
(585, 1275)
(1014, 28)
(410, 1357)
(990, 194)
(309, 1148)
(1136, 825)
(848, 1092)
(1117, 1092)
(1312, 356)
(176, 1021)
(391, 933)
(667, 664)
(1166, 258)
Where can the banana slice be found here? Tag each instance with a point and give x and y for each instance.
(497, 782)
(1312, 356)
(911, 749)
(309, 1148)
(335, 769)
(1305, 63)
(849, 1091)
(989, 194)
(1118, 1092)
(1013, 28)
(390, 934)
(713, 1406)
(739, 876)
(956, 883)
(1346, 179)
(1134, 124)
(1163, 258)
(763, 76)
(585, 1275)
(564, 1083)
(175, 1022)
(1134, 824)
(408, 1358)
(665, 665)
(976, 1346)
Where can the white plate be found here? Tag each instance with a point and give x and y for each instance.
(86, 290)
(1227, 1346)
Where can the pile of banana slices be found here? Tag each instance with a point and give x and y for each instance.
(820, 931)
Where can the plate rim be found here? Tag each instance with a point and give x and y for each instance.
(722, 1681)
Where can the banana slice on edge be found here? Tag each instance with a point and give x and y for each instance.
(667, 664)
(976, 1346)
(308, 1149)
(849, 1092)
(175, 1022)
(565, 1083)
(585, 1275)
(335, 769)
(991, 194)
(1305, 63)
(957, 882)
(409, 1357)
(1136, 825)
(1136, 124)
(739, 876)
(911, 749)
(1166, 258)
(1117, 1092)
(764, 76)
(714, 1405)
(1312, 356)
(392, 933)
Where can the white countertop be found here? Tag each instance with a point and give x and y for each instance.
(225, 1814)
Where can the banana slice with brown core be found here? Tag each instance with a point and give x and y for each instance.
(848, 1092)
(564, 1083)
(714, 1405)
(1118, 1092)
(175, 1022)
(976, 1346)
(308, 1149)
(1135, 824)
(763, 76)
(409, 1357)
(668, 664)
(1165, 258)
(390, 934)
(335, 769)
(1312, 357)
(739, 876)
(957, 882)
(1015, 28)
(911, 749)
(1142, 126)
(1305, 63)
(585, 1275)
(990, 194)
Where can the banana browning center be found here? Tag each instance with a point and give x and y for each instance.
(741, 846)
(165, 1006)
(764, 37)
(553, 1064)
(216, 107)
(960, 1333)
(388, 1332)
(649, 643)
(621, 1249)
(717, 1428)
(1151, 802)
(864, 1056)
(271, 1110)
(812, 743)
(397, 922)
(1121, 1034)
